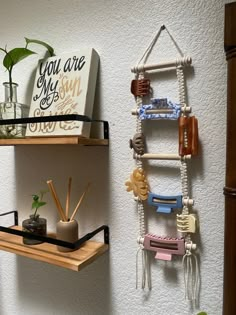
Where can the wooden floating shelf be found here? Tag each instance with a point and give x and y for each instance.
(54, 140)
(46, 252)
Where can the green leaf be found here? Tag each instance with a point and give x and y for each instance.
(202, 313)
(41, 203)
(38, 204)
(16, 55)
(35, 41)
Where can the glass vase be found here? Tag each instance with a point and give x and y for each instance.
(11, 109)
(35, 225)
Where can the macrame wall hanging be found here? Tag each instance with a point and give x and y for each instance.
(148, 108)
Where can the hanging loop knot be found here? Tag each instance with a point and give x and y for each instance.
(184, 109)
(163, 27)
(189, 246)
(188, 252)
(140, 240)
(183, 61)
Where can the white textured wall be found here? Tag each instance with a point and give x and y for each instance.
(120, 32)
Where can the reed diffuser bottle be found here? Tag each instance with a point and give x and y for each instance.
(67, 231)
(67, 227)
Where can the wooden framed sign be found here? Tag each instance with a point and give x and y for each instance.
(64, 85)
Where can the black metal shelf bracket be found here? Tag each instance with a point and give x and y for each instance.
(15, 212)
(71, 117)
(46, 239)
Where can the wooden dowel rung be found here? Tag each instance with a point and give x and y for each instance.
(161, 110)
(161, 156)
(184, 61)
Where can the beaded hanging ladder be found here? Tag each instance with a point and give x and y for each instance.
(186, 222)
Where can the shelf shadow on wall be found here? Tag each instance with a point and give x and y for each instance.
(42, 284)
(44, 288)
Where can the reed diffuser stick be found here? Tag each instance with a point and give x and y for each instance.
(56, 199)
(68, 199)
(80, 201)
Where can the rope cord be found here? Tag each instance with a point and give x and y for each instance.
(146, 276)
(142, 230)
(190, 261)
(139, 164)
(149, 48)
(183, 166)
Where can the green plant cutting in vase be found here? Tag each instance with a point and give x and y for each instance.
(10, 108)
(15, 55)
(38, 202)
(35, 224)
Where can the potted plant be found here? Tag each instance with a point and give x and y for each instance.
(35, 224)
(10, 108)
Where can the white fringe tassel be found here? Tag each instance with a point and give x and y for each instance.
(191, 276)
(146, 275)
